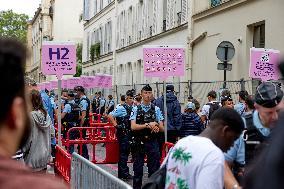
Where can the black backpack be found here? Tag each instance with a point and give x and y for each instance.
(158, 179)
(213, 107)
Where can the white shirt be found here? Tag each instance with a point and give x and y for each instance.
(195, 163)
(205, 109)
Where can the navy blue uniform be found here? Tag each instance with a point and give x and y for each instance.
(145, 142)
(122, 115)
(84, 103)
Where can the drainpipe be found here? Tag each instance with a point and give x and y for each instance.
(190, 37)
(114, 46)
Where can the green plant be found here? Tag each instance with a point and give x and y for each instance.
(98, 49)
(92, 52)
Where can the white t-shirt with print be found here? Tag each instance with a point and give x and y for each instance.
(195, 163)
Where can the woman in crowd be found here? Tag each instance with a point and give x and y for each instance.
(37, 151)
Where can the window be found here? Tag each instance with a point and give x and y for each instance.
(95, 7)
(258, 42)
(259, 36)
(86, 9)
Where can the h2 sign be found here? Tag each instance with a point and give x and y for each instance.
(58, 59)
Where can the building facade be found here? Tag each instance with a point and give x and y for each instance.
(53, 21)
(39, 28)
(122, 27)
(245, 23)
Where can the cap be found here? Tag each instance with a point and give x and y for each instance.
(268, 95)
(212, 94)
(80, 88)
(147, 88)
(226, 98)
(190, 105)
(130, 93)
(170, 88)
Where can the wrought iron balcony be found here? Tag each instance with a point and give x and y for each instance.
(215, 3)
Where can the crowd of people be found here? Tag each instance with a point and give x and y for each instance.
(217, 145)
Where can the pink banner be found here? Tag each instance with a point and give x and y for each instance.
(103, 81)
(263, 64)
(58, 59)
(54, 84)
(88, 82)
(163, 61)
(64, 84)
(73, 82)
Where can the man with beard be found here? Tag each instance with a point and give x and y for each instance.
(14, 121)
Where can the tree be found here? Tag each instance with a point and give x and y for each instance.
(13, 25)
(79, 60)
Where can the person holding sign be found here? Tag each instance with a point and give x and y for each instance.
(146, 123)
(84, 104)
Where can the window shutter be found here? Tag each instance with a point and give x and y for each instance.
(184, 12)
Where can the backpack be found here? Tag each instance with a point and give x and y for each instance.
(158, 179)
(213, 107)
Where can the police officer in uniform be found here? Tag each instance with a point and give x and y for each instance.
(122, 123)
(84, 104)
(259, 124)
(71, 118)
(146, 123)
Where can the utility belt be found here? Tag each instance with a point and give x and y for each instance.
(137, 142)
(123, 128)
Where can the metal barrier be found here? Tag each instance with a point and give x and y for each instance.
(98, 118)
(165, 150)
(86, 175)
(95, 137)
(62, 163)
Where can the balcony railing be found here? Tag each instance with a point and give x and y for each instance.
(215, 3)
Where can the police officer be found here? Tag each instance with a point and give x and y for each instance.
(71, 118)
(84, 104)
(146, 123)
(122, 123)
(258, 127)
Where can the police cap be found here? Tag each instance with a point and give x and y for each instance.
(268, 95)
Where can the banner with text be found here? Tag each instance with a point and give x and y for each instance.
(58, 58)
(263, 64)
(163, 61)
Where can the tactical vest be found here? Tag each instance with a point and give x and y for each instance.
(254, 139)
(74, 115)
(125, 119)
(145, 117)
(88, 107)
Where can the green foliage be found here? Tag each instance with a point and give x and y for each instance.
(92, 52)
(181, 184)
(180, 155)
(13, 25)
(95, 51)
(79, 60)
(78, 70)
(79, 53)
(98, 49)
